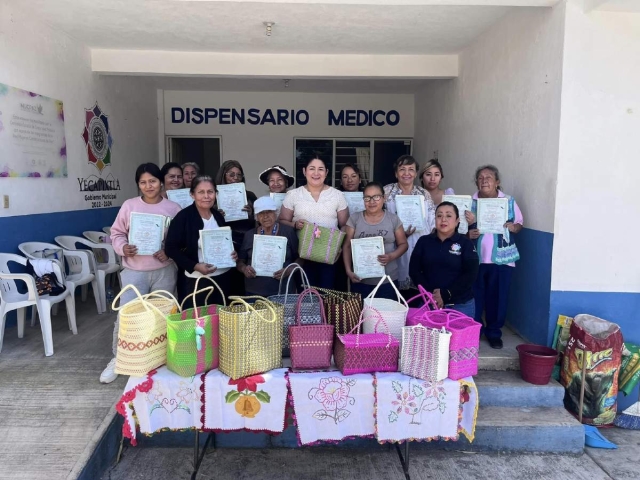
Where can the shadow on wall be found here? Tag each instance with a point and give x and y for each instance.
(529, 296)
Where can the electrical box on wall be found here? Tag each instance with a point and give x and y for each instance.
(5, 200)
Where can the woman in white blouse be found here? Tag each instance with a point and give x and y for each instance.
(315, 202)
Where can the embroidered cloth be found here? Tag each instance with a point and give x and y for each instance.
(254, 403)
(330, 407)
(412, 409)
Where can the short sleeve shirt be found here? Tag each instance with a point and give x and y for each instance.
(324, 212)
(386, 229)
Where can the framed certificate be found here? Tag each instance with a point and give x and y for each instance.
(181, 196)
(492, 214)
(232, 198)
(146, 232)
(410, 209)
(278, 198)
(463, 202)
(217, 247)
(355, 201)
(364, 253)
(269, 254)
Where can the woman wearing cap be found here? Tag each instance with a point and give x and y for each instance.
(406, 168)
(183, 242)
(430, 176)
(265, 210)
(172, 174)
(190, 170)
(231, 172)
(316, 202)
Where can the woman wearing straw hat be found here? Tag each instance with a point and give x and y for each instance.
(277, 179)
(265, 210)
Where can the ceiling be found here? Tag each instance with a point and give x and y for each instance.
(238, 26)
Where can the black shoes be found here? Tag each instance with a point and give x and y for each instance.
(495, 343)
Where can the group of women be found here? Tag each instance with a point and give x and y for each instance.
(462, 272)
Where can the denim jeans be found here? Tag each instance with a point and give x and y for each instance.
(468, 308)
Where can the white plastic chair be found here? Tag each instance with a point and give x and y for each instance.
(78, 264)
(99, 269)
(107, 230)
(12, 299)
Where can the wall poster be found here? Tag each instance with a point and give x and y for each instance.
(32, 141)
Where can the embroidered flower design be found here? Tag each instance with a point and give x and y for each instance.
(405, 401)
(185, 393)
(155, 393)
(417, 398)
(247, 383)
(333, 394)
(247, 397)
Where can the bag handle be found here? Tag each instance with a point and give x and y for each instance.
(426, 297)
(224, 300)
(312, 292)
(195, 294)
(162, 294)
(241, 301)
(303, 276)
(401, 299)
(375, 328)
(141, 299)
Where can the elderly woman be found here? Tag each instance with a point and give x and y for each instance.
(183, 242)
(431, 176)
(406, 170)
(146, 272)
(190, 170)
(172, 175)
(265, 209)
(277, 179)
(315, 202)
(350, 179)
(375, 222)
(498, 254)
(445, 262)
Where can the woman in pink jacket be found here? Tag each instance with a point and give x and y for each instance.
(146, 272)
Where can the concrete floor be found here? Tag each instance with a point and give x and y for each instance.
(54, 409)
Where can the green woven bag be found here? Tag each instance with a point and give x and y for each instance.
(320, 244)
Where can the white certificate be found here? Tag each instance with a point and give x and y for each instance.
(278, 198)
(269, 254)
(146, 232)
(463, 202)
(411, 211)
(232, 198)
(492, 214)
(355, 202)
(181, 196)
(364, 252)
(217, 247)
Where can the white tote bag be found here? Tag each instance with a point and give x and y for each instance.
(425, 352)
(394, 312)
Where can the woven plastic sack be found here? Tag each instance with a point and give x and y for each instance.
(309, 310)
(425, 353)
(464, 347)
(142, 332)
(367, 352)
(193, 336)
(394, 312)
(311, 345)
(320, 244)
(250, 337)
(342, 309)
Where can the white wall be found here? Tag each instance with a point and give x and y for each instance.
(37, 58)
(504, 109)
(260, 146)
(597, 207)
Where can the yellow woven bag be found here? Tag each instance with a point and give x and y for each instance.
(250, 337)
(142, 332)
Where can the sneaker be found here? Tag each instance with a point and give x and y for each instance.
(495, 343)
(109, 374)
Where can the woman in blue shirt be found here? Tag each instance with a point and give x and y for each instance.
(445, 262)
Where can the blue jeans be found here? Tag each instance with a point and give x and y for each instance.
(491, 292)
(385, 290)
(468, 308)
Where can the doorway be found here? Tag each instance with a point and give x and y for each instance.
(205, 151)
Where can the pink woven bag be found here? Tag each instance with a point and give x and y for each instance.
(310, 345)
(428, 304)
(367, 352)
(465, 339)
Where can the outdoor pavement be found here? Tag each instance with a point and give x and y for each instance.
(331, 463)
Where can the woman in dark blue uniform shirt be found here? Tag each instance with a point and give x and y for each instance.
(445, 262)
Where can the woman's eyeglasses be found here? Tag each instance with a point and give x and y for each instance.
(239, 176)
(375, 198)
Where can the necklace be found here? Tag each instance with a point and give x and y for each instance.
(273, 230)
